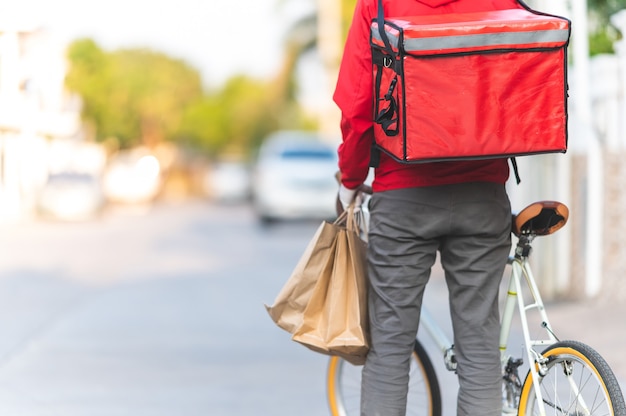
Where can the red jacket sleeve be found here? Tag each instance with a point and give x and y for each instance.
(353, 95)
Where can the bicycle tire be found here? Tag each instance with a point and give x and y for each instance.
(599, 390)
(343, 385)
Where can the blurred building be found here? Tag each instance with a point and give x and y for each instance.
(35, 111)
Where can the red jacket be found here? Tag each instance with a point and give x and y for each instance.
(354, 96)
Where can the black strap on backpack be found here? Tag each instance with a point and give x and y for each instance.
(380, 21)
(387, 117)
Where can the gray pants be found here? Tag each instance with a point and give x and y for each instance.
(470, 225)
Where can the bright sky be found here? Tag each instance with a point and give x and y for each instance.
(217, 37)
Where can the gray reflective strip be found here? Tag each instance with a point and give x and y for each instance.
(393, 40)
(441, 43)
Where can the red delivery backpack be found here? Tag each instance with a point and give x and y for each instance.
(470, 85)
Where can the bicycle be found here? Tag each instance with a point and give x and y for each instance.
(566, 378)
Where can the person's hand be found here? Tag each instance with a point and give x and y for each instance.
(345, 197)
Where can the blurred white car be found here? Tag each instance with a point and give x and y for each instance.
(70, 196)
(294, 177)
(132, 176)
(228, 181)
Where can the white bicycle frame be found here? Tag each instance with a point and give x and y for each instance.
(520, 267)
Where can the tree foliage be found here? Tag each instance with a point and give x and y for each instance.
(233, 119)
(602, 34)
(138, 96)
(87, 76)
(134, 95)
(152, 90)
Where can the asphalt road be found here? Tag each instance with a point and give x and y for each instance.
(156, 312)
(159, 311)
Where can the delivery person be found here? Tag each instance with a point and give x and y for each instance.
(459, 209)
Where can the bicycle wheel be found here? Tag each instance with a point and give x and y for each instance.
(577, 382)
(343, 384)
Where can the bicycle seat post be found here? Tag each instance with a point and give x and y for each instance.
(524, 246)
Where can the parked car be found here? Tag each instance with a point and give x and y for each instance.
(70, 196)
(228, 182)
(294, 177)
(132, 176)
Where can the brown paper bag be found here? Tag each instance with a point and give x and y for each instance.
(335, 320)
(291, 301)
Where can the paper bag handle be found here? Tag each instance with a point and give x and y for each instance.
(348, 217)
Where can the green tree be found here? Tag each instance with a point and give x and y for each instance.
(137, 96)
(143, 97)
(602, 34)
(232, 120)
(238, 116)
(88, 77)
(153, 91)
